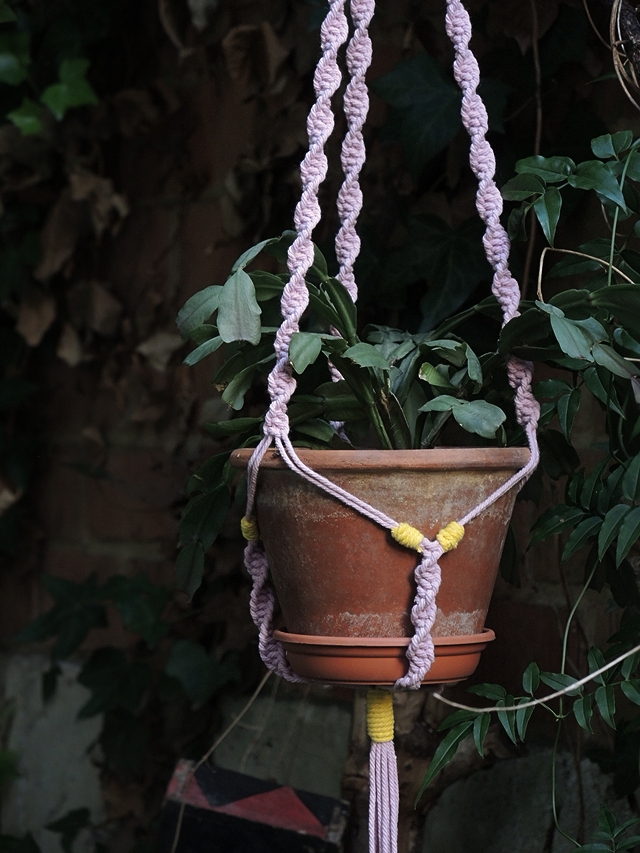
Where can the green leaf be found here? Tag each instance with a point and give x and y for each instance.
(508, 718)
(612, 523)
(444, 753)
(628, 534)
(479, 417)
(557, 455)
(531, 679)
(430, 374)
(199, 673)
(592, 486)
(583, 712)
(631, 480)
(190, 568)
(522, 187)
(246, 257)
(476, 416)
(203, 351)
(631, 690)
(559, 680)
(204, 516)
(489, 691)
(426, 104)
(76, 611)
(69, 826)
(236, 426)
(480, 729)
(366, 355)
(612, 361)
(630, 665)
(548, 208)
(27, 117)
(554, 521)
(573, 340)
(550, 169)
(198, 309)
(114, 681)
(238, 310)
(474, 368)
(582, 534)
(567, 407)
(233, 394)
(73, 90)
(344, 307)
(523, 716)
(140, 604)
(15, 57)
(606, 702)
(304, 349)
(594, 175)
(608, 146)
(594, 383)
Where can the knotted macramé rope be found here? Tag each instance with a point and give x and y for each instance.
(384, 796)
(295, 298)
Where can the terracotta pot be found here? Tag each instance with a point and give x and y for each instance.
(339, 575)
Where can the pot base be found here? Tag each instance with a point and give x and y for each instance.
(359, 661)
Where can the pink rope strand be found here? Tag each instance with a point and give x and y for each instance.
(356, 106)
(384, 798)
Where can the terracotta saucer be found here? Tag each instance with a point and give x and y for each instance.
(379, 661)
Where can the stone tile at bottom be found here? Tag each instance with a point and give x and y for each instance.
(507, 808)
(56, 774)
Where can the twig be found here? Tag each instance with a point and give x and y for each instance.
(565, 690)
(538, 139)
(209, 752)
(579, 255)
(593, 26)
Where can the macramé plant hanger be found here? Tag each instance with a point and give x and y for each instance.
(335, 33)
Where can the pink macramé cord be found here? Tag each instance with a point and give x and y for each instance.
(356, 107)
(295, 296)
(384, 798)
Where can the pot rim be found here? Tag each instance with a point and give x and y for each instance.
(439, 458)
(283, 636)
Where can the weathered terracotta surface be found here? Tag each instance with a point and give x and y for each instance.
(357, 661)
(337, 574)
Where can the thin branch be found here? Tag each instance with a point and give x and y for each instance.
(535, 33)
(579, 255)
(495, 709)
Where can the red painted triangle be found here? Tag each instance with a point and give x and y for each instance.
(281, 808)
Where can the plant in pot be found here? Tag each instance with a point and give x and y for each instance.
(400, 395)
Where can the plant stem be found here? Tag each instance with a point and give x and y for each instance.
(572, 613)
(614, 226)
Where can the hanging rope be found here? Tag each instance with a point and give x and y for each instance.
(282, 384)
(384, 796)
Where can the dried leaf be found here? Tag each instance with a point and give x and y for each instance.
(66, 223)
(253, 51)
(159, 348)
(106, 205)
(69, 346)
(136, 111)
(104, 310)
(36, 313)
